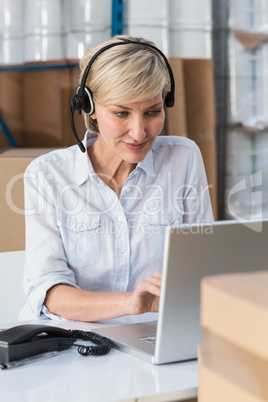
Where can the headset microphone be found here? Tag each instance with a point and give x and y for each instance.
(83, 100)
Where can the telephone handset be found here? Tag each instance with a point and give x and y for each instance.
(26, 341)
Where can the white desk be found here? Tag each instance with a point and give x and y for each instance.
(70, 377)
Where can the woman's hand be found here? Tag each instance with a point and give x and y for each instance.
(145, 298)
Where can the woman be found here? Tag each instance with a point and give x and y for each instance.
(95, 221)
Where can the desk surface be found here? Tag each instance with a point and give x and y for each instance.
(114, 377)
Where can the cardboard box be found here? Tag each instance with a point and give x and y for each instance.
(13, 163)
(35, 104)
(11, 105)
(227, 374)
(194, 112)
(176, 123)
(233, 355)
(47, 94)
(235, 308)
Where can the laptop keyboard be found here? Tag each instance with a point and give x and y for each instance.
(148, 339)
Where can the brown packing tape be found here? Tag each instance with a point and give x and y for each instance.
(238, 374)
(176, 116)
(250, 40)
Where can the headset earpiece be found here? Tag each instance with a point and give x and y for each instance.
(77, 101)
(88, 105)
(169, 99)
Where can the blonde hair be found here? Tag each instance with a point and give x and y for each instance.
(124, 74)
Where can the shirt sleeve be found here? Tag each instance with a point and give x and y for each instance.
(197, 203)
(45, 261)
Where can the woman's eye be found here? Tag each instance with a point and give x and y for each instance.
(121, 114)
(153, 113)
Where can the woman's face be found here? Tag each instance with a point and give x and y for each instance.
(129, 130)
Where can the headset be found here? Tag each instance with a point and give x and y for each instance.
(83, 100)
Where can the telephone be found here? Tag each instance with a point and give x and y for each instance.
(25, 341)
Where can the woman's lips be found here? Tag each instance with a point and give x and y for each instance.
(135, 147)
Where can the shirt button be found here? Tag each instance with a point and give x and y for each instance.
(135, 172)
(122, 280)
(120, 218)
(50, 176)
(123, 250)
(128, 189)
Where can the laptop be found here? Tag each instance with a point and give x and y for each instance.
(190, 253)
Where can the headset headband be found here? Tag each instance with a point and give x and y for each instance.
(83, 100)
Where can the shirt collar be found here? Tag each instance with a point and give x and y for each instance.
(84, 166)
(147, 164)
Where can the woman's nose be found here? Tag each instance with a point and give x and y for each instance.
(138, 132)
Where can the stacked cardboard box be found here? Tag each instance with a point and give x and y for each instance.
(11, 88)
(13, 163)
(233, 354)
(35, 103)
